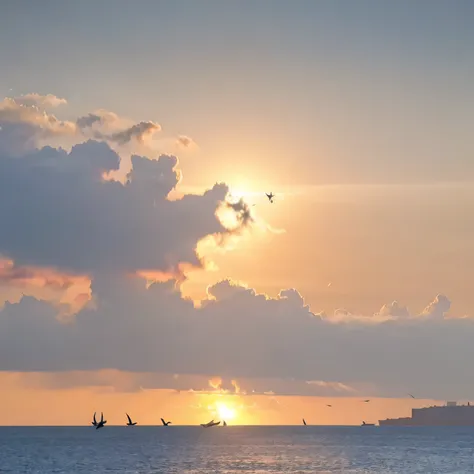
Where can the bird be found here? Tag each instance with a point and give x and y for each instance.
(210, 424)
(165, 423)
(270, 197)
(330, 406)
(365, 401)
(412, 396)
(304, 422)
(101, 423)
(130, 422)
(224, 423)
(94, 421)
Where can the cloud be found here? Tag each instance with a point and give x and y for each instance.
(239, 335)
(120, 381)
(47, 101)
(10, 274)
(24, 124)
(215, 383)
(59, 212)
(393, 311)
(100, 117)
(438, 308)
(140, 132)
(336, 386)
(105, 125)
(185, 142)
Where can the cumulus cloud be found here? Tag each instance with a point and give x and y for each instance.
(438, 308)
(24, 123)
(100, 117)
(47, 101)
(240, 334)
(59, 212)
(105, 125)
(140, 132)
(393, 311)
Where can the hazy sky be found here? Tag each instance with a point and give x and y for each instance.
(355, 283)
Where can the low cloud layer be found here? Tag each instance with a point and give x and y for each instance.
(237, 334)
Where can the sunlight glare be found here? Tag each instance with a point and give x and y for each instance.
(225, 412)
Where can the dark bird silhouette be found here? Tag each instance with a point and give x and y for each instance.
(130, 422)
(330, 406)
(211, 423)
(165, 423)
(101, 423)
(270, 197)
(412, 396)
(94, 421)
(365, 401)
(304, 422)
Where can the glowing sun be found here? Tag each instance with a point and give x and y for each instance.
(225, 412)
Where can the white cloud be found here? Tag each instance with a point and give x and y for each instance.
(47, 101)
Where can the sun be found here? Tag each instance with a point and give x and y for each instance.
(225, 412)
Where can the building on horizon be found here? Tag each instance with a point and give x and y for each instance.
(450, 414)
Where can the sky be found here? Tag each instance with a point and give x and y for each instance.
(142, 268)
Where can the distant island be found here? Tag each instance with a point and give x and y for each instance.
(450, 414)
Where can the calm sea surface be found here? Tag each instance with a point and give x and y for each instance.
(236, 450)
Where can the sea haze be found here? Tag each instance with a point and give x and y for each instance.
(236, 449)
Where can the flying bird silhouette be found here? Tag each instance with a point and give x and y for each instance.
(270, 197)
(210, 424)
(165, 423)
(94, 421)
(330, 406)
(365, 401)
(304, 422)
(130, 422)
(412, 396)
(101, 423)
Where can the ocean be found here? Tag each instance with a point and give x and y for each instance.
(236, 449)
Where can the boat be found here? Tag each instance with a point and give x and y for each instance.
(450, 414)
(367, 424)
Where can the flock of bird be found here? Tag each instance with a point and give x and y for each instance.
(102, 422)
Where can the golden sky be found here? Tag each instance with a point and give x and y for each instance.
(33, 405)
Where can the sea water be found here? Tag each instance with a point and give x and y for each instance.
(236, 449)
